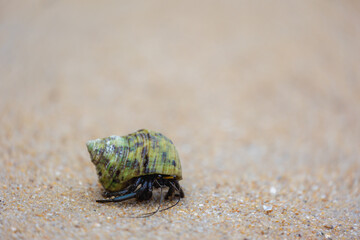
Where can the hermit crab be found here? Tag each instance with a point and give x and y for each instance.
(132, 166)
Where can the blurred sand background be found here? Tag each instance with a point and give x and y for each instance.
(261, 99)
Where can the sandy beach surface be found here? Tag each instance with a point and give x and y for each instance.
(261, 99)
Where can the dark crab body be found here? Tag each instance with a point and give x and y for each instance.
(131, 166)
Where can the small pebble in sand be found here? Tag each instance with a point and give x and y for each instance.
(328, 226)
(273, 190)
(328, 237)
(267, 208)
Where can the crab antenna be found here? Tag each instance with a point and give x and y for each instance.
(177, 200)
(145, 215)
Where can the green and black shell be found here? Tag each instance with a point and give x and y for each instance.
(118, 160)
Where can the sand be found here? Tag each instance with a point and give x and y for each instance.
(261, 99)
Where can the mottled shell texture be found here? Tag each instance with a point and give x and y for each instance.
(120, 159)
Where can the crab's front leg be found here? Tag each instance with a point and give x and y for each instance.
(123, 193)
(145, 192)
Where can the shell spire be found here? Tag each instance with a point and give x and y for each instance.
(94, 148)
